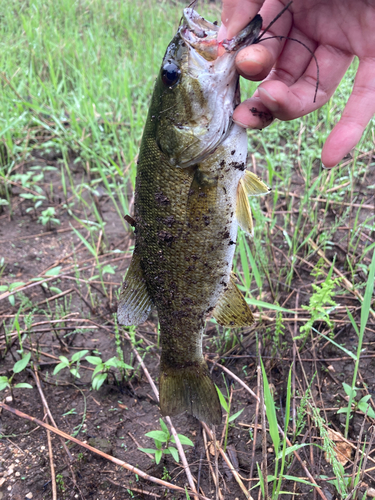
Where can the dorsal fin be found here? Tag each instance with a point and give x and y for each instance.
(135, 303)
(232, 309)
(253, 185)
(243, 211)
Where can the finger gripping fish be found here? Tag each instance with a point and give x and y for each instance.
(191, 195)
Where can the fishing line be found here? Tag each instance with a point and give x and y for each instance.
(293, 40)
(307, 48)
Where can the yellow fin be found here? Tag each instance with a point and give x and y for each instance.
(232, 309)
(189, 388)
(135, 303)
(253, 185)
(243, 211)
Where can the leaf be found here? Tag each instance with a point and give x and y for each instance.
(163, 426)
(267, 305)
(98, 381)
(94, 360)
(53, 272)
(78, 355)
(344, 410)
(349, 391)
(98, 368)
(4, 383)
(158, 455)
(4, 288)
(270, 411)
(366, 305)
(23, 385)
(65, 360)
(59, 367)
(54, 289)
(299, 480)
(235, 415)
(223, 401)
(108, 269)
(12, 300)
(183, 439)
(174, 453)
(75, 372)
(22, 363)
(296, 447)
(159, 435)
(363, 406)
(16, 284)
(147, 450)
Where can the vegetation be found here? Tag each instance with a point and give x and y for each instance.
(76, 78)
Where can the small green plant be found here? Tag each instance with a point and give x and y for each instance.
(60, 482)
(321, 297)
(72, 365)
(18, 367)
(10, 288)
(102, 369)
(363, 404)
(226, 404)
(48, 218)
(162, 440)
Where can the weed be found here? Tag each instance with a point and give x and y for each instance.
(72, 365)
(162, 440)
(48, 218)
(321, 297)
(102, 369)
(226, 404)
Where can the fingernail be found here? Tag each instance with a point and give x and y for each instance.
(272, 104)
(252, 66)
(240, 124)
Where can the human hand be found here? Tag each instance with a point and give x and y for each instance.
(336, 31)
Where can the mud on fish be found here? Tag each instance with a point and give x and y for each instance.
(191, 194)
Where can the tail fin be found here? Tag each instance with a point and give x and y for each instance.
(189, 388)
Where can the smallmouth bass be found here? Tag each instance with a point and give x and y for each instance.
(191, 194)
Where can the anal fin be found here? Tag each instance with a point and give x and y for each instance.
(135, 303)
(243, 212)
(231, 309)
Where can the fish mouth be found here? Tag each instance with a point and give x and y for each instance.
(201, 34)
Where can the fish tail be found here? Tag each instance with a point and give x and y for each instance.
(189, 388)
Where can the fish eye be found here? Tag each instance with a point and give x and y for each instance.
(170, 74)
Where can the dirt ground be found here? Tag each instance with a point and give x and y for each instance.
(116, 418)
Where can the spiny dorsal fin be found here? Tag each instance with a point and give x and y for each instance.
(231, 309)
(243, 211)
(134, 304)
(253, 185)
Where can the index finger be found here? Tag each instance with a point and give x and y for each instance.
(237, 14)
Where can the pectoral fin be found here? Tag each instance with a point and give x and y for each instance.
(253, 185)
(232, 310)
(135, 303)
(243, 212)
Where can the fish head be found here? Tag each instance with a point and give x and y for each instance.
(196, 89)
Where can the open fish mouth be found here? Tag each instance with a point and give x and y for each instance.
(202, 35)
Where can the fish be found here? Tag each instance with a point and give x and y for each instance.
(191, 194)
